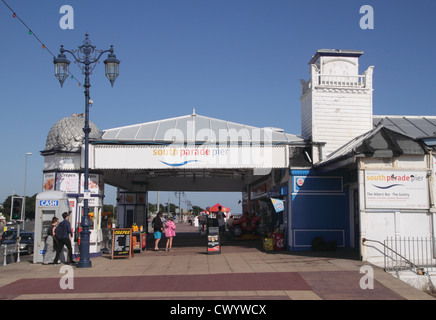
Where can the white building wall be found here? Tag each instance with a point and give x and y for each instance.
(339, 117)
(306, 116)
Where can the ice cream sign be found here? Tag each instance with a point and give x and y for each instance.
(396, 189)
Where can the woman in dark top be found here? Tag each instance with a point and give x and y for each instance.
(158, 228)
(50, 243)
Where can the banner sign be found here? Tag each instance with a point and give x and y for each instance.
(396, 189)
(179, 157)
(278, 205)
(48, 203)
(67, 182)
(95, 183)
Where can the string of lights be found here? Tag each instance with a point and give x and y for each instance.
(32, 33)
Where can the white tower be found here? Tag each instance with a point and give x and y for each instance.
(336, 102)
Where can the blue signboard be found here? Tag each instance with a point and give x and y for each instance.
(48, 203)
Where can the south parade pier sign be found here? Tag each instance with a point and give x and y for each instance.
(187, 157)
(396, 189)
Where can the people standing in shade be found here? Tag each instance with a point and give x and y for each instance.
(158, 228)
(51, 243)
(62, 234)
(170, 232)
(203, 220)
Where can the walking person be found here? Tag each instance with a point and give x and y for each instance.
(62, 234)
(158, 228)
(170, 232)
(50, 243)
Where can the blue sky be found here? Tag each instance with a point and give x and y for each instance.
(239, 60)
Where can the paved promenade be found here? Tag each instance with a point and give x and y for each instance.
(241, 272)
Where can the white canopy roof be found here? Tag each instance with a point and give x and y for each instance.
(197, 129)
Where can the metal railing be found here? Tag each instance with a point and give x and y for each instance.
(401, 254)
(419, 250)
(7, 249)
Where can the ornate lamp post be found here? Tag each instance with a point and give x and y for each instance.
(87, 55)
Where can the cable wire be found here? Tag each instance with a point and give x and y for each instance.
(15, 16)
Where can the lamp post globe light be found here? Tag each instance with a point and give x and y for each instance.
(86, 56)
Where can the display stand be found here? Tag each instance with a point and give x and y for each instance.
(122, 244)
(213, 237)
(139, 241)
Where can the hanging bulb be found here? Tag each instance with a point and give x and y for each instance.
(43, 46)
(30, 32)
(14, 15)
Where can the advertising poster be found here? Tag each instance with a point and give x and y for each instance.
(93, 185)
(67, 182)
(396, 189)
(122, 243)
(48, 183)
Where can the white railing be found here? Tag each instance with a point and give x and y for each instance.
(334, 81)
(341, 81)
(406, 250)
(8, 249)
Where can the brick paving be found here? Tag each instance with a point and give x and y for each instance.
(241, 272)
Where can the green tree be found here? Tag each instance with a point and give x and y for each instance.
(172, 208)
(151, 207)
(196, 210)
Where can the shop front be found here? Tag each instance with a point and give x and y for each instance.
(72, 184)
(267, 204)
(132, 209)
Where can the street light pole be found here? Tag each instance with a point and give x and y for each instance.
(23, 210)
(87, 55)
(84, 261)
(23, 214)
(179, 195)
